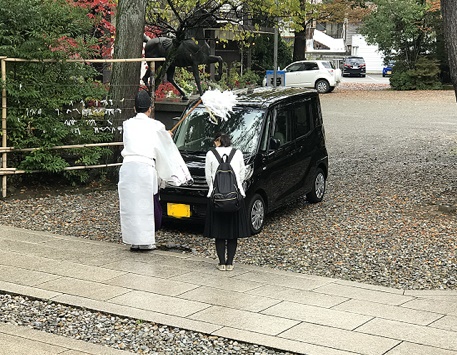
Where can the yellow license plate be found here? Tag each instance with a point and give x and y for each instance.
(178, 210)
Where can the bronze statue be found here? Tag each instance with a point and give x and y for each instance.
(191, 51)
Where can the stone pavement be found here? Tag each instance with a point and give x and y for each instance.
(284, 310)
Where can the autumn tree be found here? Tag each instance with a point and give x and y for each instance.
(101, 13)
(449, 12)
(39, 92)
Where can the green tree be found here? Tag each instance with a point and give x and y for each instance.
(404, 31)
(262, 59)
(38, 91)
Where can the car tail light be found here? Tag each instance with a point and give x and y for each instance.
(362, 65)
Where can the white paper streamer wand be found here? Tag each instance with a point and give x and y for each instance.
(218, 104)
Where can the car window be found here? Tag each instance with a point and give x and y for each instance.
(282, 128)
(311, 66)
(328, 65)
(280, 131)
(244, 126)
(266, 133)
(301, 118)
(316, 112)
(295, 67)
(293, 121)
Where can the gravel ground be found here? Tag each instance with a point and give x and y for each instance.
(388, 217)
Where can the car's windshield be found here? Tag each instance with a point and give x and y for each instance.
(355, 60)
(244, 126)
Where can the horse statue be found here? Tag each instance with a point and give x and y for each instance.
(191, 51)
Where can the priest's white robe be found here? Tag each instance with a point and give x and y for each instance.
(149, 155)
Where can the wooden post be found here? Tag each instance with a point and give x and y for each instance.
(153, 89)
(4, 154)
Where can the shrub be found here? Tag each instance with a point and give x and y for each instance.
(425, 76)
(235, 80)
(46, 99)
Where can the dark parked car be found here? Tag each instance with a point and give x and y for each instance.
(281, 134)
(354, 66)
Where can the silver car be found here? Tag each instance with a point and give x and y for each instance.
(318, 74)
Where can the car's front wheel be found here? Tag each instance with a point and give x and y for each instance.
(256, 213)
(322, 86)
(318, 191)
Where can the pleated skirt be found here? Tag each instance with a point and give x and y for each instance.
(223, 225)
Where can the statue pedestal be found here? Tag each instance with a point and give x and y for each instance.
(168, 111)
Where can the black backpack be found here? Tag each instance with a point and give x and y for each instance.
(225, 196)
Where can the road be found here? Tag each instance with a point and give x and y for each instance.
(369, 79)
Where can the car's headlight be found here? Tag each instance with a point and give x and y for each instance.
(248, 175)
(249, 171)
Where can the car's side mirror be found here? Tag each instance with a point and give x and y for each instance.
(274, 143)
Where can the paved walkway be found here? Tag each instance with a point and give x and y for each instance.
(284, 310)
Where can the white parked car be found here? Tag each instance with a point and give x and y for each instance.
(319, 74)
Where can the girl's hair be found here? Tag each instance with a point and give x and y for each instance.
(224, 139)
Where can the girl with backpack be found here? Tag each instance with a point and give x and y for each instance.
(226, 224)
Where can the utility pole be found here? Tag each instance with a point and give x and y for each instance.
(275, 49)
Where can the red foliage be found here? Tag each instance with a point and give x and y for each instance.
(65, 44)
(152, 31)
(164, 89)
(101, 12)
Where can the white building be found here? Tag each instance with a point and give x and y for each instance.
(336, 41)
(370, 53)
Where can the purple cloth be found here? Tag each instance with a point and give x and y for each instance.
(157, 212)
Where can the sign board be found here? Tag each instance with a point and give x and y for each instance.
(280, 77)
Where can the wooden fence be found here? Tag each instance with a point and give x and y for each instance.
(4, 150)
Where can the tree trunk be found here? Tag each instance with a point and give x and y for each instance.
(300, 45)
(449, 12)
(125, 79)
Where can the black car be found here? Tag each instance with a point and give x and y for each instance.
(281, 134)
(354, 66)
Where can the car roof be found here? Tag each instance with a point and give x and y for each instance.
(307, 61)
(265, 96)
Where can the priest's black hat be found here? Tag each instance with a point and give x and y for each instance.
(142, 101)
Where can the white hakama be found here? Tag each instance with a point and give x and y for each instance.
(137, 186)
